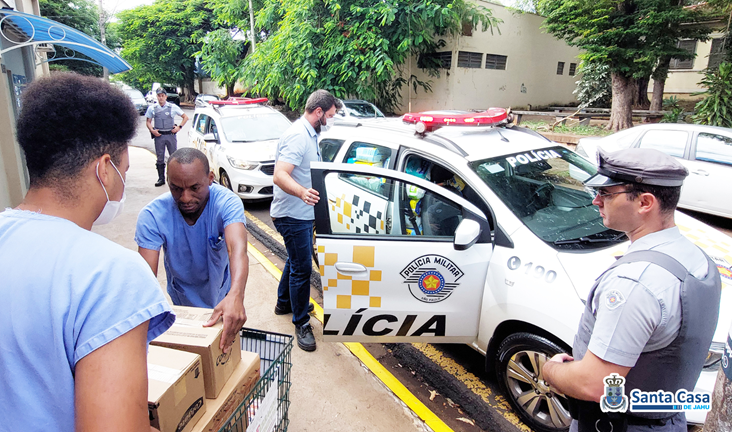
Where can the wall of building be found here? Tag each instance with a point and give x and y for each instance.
(684, 81)
(530, 77)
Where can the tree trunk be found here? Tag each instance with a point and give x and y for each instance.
(621, 112)
(640, 99)
(659, 83)
(230, 89)
(720, 417)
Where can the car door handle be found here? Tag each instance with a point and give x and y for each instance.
(701, 172)
(348, 267)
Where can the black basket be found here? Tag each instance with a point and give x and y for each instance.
(269, 399)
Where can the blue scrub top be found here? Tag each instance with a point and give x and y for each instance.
(65, 292)
(196, 258)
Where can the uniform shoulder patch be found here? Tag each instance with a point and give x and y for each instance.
(613, 299)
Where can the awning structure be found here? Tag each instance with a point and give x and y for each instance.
(31, 30)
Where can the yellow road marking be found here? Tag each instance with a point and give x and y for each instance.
(367, 359)
(472, 382)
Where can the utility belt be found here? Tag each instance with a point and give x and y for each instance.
(590, 418)
(162, 132)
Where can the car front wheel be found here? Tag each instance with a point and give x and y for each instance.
(225, 182)
(521, 357)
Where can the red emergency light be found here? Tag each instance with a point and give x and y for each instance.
(238, 101)
(428, 121)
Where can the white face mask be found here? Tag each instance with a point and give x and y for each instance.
(328, 123)
(112, 208)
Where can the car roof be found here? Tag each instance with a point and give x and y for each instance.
(471, 143)
(234, 110)
(681, 126)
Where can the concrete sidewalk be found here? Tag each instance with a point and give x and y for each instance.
(331, 389)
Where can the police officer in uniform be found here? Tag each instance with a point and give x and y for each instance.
(651, 316)
(165, 129)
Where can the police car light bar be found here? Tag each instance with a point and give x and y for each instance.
(427, 122)
(239, 101)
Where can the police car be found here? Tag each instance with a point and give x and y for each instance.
(478, 232)
(239, 137)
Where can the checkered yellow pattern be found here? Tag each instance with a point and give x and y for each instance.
(356, 214)
(350, 293)
(718, 247)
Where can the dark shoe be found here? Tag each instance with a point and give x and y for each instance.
(288, 309)
(160, 182)
(161, 174)
(305, 338)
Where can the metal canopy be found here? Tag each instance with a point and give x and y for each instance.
(31, 30)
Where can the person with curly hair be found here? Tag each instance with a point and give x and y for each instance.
(78, 310)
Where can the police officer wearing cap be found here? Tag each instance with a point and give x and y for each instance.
(651, 316)
(165, 129)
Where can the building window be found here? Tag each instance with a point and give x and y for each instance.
(560, 68)
(686, 45)
(471, 60)
(572, 69)
(440, 60)
(716, 56)
(495, 61)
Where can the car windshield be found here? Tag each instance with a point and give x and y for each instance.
(362, 109)
(170, 89)
(545, 189)
(259, 127)
(134, 94)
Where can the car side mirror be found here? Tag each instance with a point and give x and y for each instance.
(466, 234)
(210, 137)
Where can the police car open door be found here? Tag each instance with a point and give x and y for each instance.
(401, 259)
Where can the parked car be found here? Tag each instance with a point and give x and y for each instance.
(239, 137)
(706, 151)
(203, 99)
(170, 90)
(477, 235)
(358, 109)
(138, 100)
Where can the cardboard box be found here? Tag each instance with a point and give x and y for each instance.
(175, 391)
(242, 381)
(190, 335)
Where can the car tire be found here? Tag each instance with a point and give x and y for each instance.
(518, 369)
(225, 181)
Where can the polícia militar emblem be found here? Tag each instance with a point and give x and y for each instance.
(614, 399)
(431, 278)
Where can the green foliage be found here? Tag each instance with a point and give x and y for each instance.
(627, 35)
(220, 57)
(716, 108)
(594, 88)
(675, 110)
(82, 15)
(573, 129)
(160, 41)
(353, 48)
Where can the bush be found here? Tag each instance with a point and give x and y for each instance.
(594, 89)
(716, 108)
(674, 116)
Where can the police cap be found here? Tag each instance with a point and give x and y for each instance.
(637, 165)
(160, 90)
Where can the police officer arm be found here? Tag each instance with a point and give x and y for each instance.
(151, 257)
(582, 379)
(110, 385)
(150, 127)
(283, 179)
(182, 123)
(231, 308)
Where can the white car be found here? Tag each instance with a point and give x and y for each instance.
(356, 109)
(239, 137)
(706, 151)
(477, 235)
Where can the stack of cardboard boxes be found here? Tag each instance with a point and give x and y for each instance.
(193, 386)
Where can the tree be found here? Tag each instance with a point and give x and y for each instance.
(160, 41)
(349, 47)
(220, 56)
(629, 36)
(82, 15)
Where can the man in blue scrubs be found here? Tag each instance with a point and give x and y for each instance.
(77, 310)
(201, 227)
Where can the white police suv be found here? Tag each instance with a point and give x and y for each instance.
(481, 234)
(239, 137)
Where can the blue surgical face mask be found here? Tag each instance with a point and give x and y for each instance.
(112, 208)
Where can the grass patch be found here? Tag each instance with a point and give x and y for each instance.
(575, 129)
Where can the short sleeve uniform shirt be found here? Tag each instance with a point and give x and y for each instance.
(65, 292)
(196, 257)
